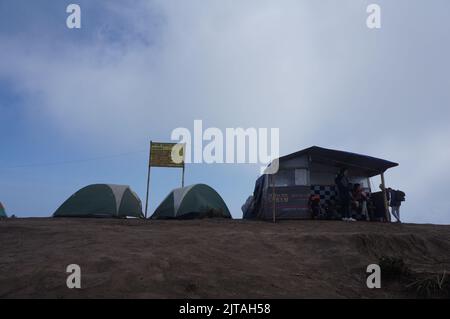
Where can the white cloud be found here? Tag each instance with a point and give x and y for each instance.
(311, 69)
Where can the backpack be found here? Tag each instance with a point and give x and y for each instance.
(400, 196)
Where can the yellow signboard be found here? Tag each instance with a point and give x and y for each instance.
(166, 155)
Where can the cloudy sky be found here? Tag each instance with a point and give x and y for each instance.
(80, 106)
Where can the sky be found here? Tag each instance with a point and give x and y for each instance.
(79, 106)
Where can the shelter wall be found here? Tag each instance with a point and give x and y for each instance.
(298, 162)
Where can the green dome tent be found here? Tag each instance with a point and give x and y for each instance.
(102, 200)
(195, 201)
(2, 211)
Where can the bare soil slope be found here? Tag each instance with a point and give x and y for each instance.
(212, 258)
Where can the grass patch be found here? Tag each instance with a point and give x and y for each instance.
(431, 285)
(393, 268)
(423, 285)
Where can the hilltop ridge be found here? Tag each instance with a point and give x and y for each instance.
(215, 258)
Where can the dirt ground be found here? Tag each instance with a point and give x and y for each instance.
(211, 258)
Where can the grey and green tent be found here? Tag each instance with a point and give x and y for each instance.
(102, 200)
(195, 201)
(2, 211)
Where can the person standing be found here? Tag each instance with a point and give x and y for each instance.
(345, 196)
(396, 199)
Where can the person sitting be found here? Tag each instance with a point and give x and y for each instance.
(360, 199)
(331, 211)
(314, 206)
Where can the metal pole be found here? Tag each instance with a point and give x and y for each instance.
(273, 198)
(148, 178)
(184, 164)
(182, 177)
(386, 207)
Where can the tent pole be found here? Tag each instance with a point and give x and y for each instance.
(385, 201)
(273, 198)
(148, 178)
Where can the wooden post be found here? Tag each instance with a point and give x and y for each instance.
(148, 178)
(274, 198)
(386, 207)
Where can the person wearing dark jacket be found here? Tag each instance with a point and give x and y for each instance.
(395, 200)
(343, 186)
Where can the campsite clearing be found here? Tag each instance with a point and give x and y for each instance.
(215, 258)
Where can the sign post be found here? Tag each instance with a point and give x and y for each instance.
(148, 178)
(165, 155)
